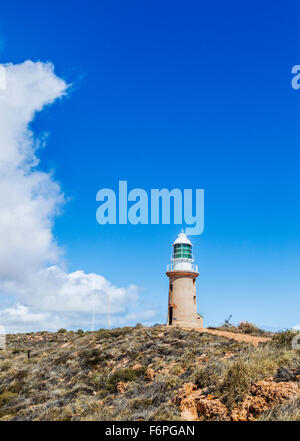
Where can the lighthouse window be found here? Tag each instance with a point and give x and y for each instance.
(183, 251)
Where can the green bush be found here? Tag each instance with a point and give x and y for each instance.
(236, 382)
(103, 334)
(209, 375)
(176, 369)
(6, 396)
(284, 339)
(113, 333)
(99, 380)
(80, 331)
(91, 357)
(62, 331)
(5, 365)
(140, 403)
(125, 375)
(166, 412)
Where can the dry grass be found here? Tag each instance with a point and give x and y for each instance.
(289, 411)
(74, 375)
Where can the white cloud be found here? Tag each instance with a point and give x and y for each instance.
(19, 318)
(31, 270)
(52, 289)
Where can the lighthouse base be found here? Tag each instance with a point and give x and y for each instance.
(198, 323)
(182, 305)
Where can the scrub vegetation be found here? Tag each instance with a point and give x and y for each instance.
(139, 373)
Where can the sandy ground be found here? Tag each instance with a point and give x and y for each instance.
(235, 336)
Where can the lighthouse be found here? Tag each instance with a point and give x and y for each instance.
(182, 273)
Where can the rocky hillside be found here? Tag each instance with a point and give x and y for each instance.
(153, 373)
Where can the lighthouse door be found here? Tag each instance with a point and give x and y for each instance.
(170, 315)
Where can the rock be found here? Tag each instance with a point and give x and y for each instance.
(150, 374)
(263, 395)
(249, 409)
(64, 345)
(186, 402)
(203, 358)
(195, 406)
(227, 356)
(211, 408)
(297, 372)
(284, 374)
(275, 393)
(121, 386)
(184, 391)
(136, 367)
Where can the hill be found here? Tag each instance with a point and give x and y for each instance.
(141, 373)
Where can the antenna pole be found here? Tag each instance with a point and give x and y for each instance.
(108, 310)
(93, 319)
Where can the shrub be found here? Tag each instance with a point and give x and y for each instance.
(284, 339)
(250, 328)
(99, 380)
(6, 396)
(247, 327)
(140, 403)
(139, 325)
(117, 332)
(91, 357)
(289, 411)
(236, 382)
(166, 412)
(163, 388)
(176, 369)
(80, 331)
(21, 374)
(5, 365)
(103, 334)
(62, 331)
(125, 375)
(209, 375)
(113, 333)
(18, 386)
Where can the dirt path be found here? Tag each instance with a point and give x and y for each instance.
(238, 337)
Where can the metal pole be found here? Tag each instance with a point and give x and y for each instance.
(93, 319)
(108, 310)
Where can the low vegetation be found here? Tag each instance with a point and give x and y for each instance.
(136, 373)
(245, 328)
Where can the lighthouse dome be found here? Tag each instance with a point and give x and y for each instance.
(182, 239)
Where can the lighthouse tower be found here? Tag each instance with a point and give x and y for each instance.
(182, 273)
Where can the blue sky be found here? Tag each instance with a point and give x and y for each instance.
(167, 94)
